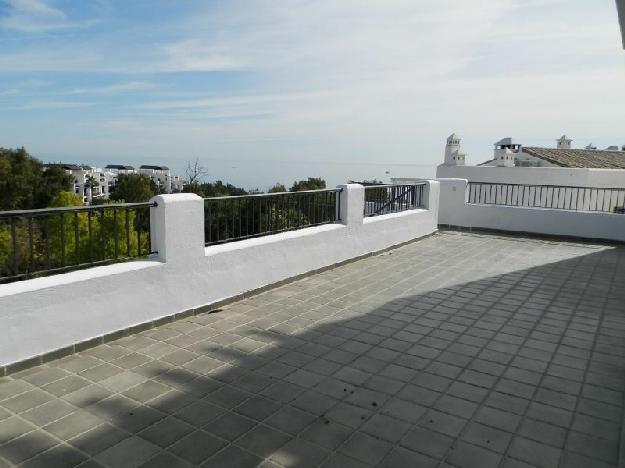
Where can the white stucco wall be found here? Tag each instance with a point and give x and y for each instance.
(41, 315)
(454, 211)
(613, 178)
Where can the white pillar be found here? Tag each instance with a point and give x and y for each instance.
(453, 197)
(431, 196)
(177, 227)
(352, 204)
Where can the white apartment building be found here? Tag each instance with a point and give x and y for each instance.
(120, 169)
(161, 175)
(95, 183)
(90, 182)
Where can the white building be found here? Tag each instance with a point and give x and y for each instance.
(90, 182)
(161, 175)
(509, 152)
(120, 169)
(560, 165)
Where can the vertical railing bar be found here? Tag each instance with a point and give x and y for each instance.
(90, 226)
(138, 216)
(116, 233)
(14, 247)
(102, 236)
(127, 222)
(31, 244)
(240, 224)
(62, 216)
(47, 247)
(76, 239)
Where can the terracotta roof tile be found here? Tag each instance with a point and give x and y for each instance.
(599, 159)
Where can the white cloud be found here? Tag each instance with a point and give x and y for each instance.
(117, 88)
(36, 16)
(53, 105)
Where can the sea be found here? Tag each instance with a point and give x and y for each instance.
(264, 174)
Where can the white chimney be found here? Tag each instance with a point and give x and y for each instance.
(564, 142)
(506, 150)
(453, 156)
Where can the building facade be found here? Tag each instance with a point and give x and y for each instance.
(94, 183)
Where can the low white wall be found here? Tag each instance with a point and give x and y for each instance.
(612, 178)
(41, 315)
(456, 212)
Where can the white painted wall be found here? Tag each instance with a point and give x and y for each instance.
(40, 315)
(454, 211)
(614, 178)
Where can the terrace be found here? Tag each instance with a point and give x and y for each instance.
(457, 349)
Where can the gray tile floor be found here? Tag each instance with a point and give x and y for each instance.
(460, 350)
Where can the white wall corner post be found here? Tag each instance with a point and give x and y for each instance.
(431, 196)
(452, 203)
(177, 227)
(352, 204)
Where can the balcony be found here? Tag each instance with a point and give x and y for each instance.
(453, 348)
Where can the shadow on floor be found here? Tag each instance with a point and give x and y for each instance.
(518, 369)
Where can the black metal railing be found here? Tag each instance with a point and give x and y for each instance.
(233, 218)
(607, 200)
(385, 199)
(56, 240)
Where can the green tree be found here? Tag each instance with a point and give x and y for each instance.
(133, 188)
(55, 181)
(214, 189)
(24, 184)
(277, 188)
(313, 183)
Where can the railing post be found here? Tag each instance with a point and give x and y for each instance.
(352, 204)
(431, 195)
(177, 227)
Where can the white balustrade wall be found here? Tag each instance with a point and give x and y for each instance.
(41, 315)
(455, 211)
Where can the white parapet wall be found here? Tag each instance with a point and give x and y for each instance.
(42, 315)
(455, 211)
(568, 176)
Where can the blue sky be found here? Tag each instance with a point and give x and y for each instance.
(305, 80)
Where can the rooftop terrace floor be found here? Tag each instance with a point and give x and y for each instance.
(465, 350)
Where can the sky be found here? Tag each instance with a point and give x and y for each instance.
(267, 90)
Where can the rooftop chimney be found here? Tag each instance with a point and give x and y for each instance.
(506, 150)
(453, 156)
(564, 142)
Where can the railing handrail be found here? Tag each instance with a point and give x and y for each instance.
(72, 209)
(559, 197)
(367, 187)
(546, 185)
(274, 194)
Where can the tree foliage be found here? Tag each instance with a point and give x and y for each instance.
(277, 188)
(24, 184)
(214, 189)
(313, 183)
(133, 188)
